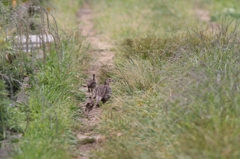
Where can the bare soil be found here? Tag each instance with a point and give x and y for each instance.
(204, 15)
(101, 55)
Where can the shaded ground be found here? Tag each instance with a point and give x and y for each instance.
(101, 55)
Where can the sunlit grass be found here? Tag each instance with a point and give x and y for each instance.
(121, 19)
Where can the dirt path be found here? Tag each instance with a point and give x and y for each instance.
(101, 54)
(204, 15)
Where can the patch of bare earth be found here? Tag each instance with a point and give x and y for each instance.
(204, 15)
(101, 55)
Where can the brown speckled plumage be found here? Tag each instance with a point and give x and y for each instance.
(103, 92)
(89, 104)
(91, 84)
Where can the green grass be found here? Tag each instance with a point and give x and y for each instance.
(183, 106)
(175, 89)
(47, 120)
(220, 8)
(176, 93)
(66, 12)
(52, 108)
(124, 19)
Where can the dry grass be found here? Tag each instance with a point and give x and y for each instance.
(174, 97)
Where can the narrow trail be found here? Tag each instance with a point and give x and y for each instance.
(204, 15)
(101, 55)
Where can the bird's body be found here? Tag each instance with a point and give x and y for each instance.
(91, 84)
(89, 104)
(102, 92)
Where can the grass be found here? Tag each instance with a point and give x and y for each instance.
(51, 110)
(124, 19)
(176, 93)
(175, 90)
(46, 121)
(220, 8)
(185, 106)
(65, 13)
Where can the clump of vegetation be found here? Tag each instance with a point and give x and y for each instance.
(176, 87)
(176, 97)
(4, 101)
(44, 119)
(149, 46)
(52, 107)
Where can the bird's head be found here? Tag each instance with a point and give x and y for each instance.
(108, 81)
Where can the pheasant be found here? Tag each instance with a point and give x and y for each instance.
(89, 104)
(91, 84)
(102, 92)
